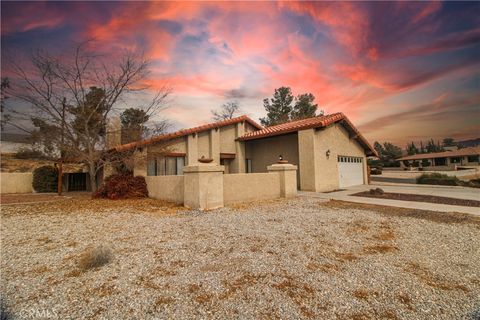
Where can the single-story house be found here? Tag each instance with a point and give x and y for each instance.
(14, 142)
(447, 160)
(329, 151)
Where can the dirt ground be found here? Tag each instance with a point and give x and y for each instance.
(284, 259)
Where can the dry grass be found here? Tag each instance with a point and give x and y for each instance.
(344, 256)
(434, 216)
(240, 283)
(364, 294)
(164, 300)
(406, 300)
(379, 248)
(385, 235)
(204, 298)
(427, 277)
(245, 206)
(84, 203)
(325, 267)
(94, 258)
(104, 290)
(147, 282)
(298, 292)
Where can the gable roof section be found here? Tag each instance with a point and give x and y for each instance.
(315, 122)
(185, 132)
(455, 153)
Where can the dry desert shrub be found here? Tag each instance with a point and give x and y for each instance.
(94, 258)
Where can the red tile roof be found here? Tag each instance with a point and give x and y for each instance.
(185, 132)
(315, 122)
(455, 153)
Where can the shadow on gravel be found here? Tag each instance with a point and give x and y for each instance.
(4, 313)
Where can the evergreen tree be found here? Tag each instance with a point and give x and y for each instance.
(412, 149)
(304, 107)
(278, 108)
(133, 124)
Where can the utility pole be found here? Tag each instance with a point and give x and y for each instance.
(60, 166)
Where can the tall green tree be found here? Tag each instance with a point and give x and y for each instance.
(379, 148)
(391, 152)
(449, 142)
(433, 147)
(412, 149)
(133, 124)
(304, 107)
(278, 108)
(387, 152)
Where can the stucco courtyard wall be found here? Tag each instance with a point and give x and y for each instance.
(168, 188)
(250, 187)
(205, 187)
(16, 182)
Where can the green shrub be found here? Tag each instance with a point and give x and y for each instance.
(439, 179)
(45, 179)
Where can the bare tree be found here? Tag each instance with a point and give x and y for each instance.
(70, 98)
(227, 111)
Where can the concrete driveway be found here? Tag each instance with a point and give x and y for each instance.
(440, 191)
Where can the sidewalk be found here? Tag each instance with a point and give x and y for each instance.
(441, 191)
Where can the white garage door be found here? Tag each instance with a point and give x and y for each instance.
(350, 171)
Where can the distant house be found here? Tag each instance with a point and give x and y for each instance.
(13, 142)
(329, 151)
(447, 160)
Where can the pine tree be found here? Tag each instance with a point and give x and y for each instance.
(278, 108)
(304, 107)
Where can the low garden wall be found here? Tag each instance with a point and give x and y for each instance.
(205, 187)
(16, 182)
(168, 188)
(250, 187)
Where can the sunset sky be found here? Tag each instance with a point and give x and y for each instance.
(401, 71)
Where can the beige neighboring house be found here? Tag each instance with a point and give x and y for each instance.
(329, 151)
(447, 160)
(13, 142)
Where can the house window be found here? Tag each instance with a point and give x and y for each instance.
(152, 167)
(349, 159)
(165, 166)
(473, 158)
(440, 161)
(248, 165)
(456, 160)
(174, 166)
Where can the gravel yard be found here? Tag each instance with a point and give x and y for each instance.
(300, 258)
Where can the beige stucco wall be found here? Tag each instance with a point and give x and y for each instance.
(204, 144)
(264, 152)
(250, 187)
(168, 188)
(176, 145)
(227, 139)
(16, 182)
(209, 144)
(336, 139)
(203, 186)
